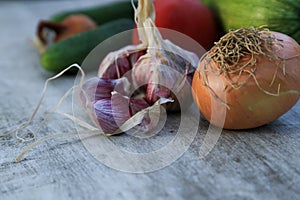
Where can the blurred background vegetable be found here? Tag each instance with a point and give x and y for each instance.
(68, 36)
(278, 15)
(68, 27)
(190, 17)
(60, 55)
(102, 13)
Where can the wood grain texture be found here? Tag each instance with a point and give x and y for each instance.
(261, 163)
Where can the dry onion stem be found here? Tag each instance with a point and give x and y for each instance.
(228, 54)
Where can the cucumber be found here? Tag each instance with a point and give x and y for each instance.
(74, 49)
(101, 14)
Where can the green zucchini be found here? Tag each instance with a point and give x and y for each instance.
(74, 49)
(101, 14)
(277, 15)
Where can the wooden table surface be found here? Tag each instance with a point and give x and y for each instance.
(261, 163)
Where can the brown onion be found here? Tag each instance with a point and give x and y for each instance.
(254, 73)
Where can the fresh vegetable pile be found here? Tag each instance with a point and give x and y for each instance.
(248, 78)
(252, 72)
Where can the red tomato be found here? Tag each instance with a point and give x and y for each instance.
(190, 17)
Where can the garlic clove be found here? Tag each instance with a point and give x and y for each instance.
(101, 88)
(117, 63)
(112, 113)
(109, 119)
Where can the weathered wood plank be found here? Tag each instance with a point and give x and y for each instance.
(261, 163)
